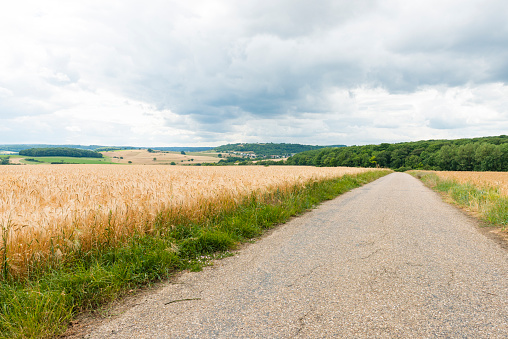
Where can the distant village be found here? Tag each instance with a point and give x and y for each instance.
(252, 155)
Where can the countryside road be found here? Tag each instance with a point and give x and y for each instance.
(387, 260)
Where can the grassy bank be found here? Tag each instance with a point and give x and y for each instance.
(42, 304)
(486, 201)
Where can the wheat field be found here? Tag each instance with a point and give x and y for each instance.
(47, 211)
(497, 180)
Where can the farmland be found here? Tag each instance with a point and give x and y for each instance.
(135, 157)
(74, 237)
(26, 160)
(140, 157)
(46, 208)
(498, 180)
(59, 160)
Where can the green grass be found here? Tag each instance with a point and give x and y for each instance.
(203, 154)
(490, 205)
(42, 304)
(67, 160)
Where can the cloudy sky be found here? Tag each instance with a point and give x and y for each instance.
(210, 72)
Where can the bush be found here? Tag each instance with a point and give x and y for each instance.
(403, 169)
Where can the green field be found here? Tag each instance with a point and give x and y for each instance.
(203, 154)
(64, 160)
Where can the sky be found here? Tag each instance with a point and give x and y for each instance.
(212, 72)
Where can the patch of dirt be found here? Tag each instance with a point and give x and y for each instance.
(16, 160)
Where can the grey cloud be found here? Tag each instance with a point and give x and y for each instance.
(446, 123)
(222, 65)
(266, 71)
(454, 43)
(297, 18)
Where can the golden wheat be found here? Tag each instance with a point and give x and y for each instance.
(47, 210)
(497, 180)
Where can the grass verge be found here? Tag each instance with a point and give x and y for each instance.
(42, 304)
(486, 201)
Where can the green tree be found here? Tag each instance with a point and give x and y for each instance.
(399, 157)
(488, 157)
(487, 153)
(60, 152)
(503, 160)
(373, 160)
(446, 158)
(414, 161)
(383, 158)
(465, 157)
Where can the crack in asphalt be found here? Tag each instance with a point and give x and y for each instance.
(180, 300)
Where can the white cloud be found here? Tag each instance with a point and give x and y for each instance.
(206, 72)
(5, 93)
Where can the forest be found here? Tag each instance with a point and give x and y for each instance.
(60, 152)
(474, 154)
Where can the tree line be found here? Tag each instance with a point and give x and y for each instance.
(475, 154)
(60, 152)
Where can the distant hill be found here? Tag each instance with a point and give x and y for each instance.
(99, 148)
(260, 149)
(269, 149)
(182, 148)
(20, 147)
(473, 154)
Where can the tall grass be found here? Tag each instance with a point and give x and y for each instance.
(483, 196)
(72, 277)
(47, 212)
(498, 180)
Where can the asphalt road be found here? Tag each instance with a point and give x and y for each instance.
(386, 260)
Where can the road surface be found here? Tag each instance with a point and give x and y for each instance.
(387, 260)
